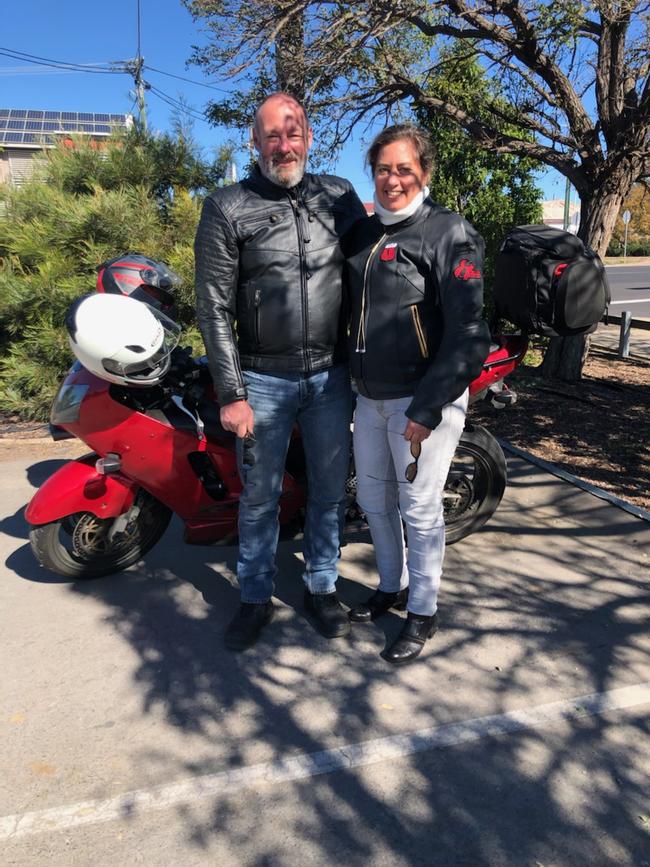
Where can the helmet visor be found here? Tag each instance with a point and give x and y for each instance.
(162, 277)
(153, 365)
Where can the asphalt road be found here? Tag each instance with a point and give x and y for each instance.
(518, 739)
(630, 287)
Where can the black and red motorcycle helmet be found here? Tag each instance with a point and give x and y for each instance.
(139, 277)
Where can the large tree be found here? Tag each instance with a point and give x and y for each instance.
(575, 74)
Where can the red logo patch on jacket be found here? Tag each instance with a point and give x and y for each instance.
(465, 270)
(388, 253)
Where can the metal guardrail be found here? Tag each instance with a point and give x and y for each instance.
(627, 324)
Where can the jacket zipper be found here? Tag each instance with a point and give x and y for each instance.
(258, 294)
(419, 331)
(295, 207)
(361, 333)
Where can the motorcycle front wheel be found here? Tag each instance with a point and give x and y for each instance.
(475, 484)
(80, 545)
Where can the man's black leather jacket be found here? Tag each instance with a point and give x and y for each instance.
(269, 277)
(417, 299)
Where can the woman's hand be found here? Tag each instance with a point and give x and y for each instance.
(415, 432)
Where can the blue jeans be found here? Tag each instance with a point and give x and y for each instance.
(321, 404)
(381, 456)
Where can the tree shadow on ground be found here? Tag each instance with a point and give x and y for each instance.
(526, 618)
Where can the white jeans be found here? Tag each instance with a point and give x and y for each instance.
(381, 456)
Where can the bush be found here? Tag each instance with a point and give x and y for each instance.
(87, 207)
(637, 247)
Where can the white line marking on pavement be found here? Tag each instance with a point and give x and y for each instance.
(630, 301)
(298, 767)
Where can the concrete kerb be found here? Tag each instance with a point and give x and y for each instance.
(574, 480)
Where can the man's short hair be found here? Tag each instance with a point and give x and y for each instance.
(285, 95)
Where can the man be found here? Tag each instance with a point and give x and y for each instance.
(269, 305)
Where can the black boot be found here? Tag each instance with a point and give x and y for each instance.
(410, 641)
(378, 604)
(328, 614)
(245, 627)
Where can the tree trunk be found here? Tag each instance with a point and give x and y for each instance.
(290, 57)
(600, 203)
(565, 357)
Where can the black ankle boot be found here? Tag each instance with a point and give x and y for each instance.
(328, 615)
(410, 641)
(245, 627)
(379, 603)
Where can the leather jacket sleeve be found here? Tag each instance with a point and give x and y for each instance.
(457, 263)
(216, 275)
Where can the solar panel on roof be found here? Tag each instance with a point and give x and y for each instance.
(18, 112)
(34, 124)
(13, 136)
(52, 115)
(69, 115)
(68, 126)
(16, 124)
(30, 137)
(84, 115)
(48, 125)
(102, 118)
(102, 127)
(36, 115)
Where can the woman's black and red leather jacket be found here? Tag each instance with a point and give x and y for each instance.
(416, 294)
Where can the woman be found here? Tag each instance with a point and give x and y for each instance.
(418, 339)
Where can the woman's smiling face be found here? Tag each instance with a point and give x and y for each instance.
(398, 177)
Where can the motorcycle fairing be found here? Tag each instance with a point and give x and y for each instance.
(78, 487)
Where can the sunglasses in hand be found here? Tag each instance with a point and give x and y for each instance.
(412, 468)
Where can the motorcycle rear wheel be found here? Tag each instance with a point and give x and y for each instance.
(77, 546)
(475, 484)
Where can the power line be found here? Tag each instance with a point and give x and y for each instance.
(57, 64)
(176, 104)
(190, 80)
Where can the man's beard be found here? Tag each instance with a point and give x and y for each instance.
(286, 175)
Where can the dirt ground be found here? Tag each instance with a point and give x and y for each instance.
(597, 429)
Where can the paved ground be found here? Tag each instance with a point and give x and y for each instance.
(519, 738)
(609, 337)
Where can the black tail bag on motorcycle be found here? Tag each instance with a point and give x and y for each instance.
(547, 282)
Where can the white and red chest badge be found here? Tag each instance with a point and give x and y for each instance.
(389, 253)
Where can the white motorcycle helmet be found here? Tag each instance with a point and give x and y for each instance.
(120, 339)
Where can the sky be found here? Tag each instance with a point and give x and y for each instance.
(91, 32)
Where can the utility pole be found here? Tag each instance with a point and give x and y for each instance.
(140, 86)
(134, 67)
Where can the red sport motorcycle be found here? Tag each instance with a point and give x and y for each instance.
(160, 449)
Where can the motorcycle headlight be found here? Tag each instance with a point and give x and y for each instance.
(65, 409)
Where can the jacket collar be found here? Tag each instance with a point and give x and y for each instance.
(259, 182)
(421, 214)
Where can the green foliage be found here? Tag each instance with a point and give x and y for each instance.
(494, 191)
(139, 193)
(637, 247)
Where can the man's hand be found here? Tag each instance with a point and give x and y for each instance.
(238, 418)
(415, 432)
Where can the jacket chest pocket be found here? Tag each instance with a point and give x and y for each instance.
(412, 317)
(264, 231)
(249, 314)
(420, 333)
